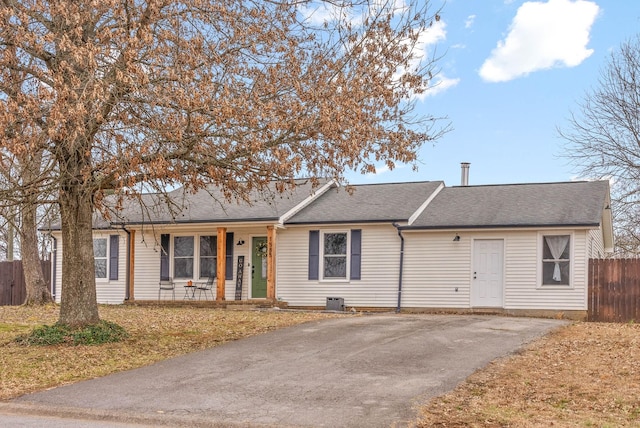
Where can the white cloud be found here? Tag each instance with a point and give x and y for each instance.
(320, 13)
(542, 36)
(432, 35)
(468, 23)
(429, 38)
(439, 84)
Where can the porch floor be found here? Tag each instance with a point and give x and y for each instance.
(226, 304)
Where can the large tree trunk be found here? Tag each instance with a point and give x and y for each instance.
(79, 306)
(37, 290)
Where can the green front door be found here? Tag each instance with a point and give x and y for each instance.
(259, 268)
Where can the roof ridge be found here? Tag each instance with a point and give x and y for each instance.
(528, 184)
(394, 183)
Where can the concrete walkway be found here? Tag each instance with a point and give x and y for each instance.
(361, 371)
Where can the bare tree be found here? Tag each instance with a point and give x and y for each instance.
(7, 235)
(233, 93)
(22, 217)
(37, 292)
(603, 140)
(19, 167)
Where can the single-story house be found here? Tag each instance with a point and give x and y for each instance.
(406, 246)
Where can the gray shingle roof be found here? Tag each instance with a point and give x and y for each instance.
(511, 205)
(516, 205)
(367, 203)
(210, 206)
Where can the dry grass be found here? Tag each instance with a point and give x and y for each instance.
(155, 333)
(583, 375)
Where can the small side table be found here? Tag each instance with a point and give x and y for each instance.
(189, 292)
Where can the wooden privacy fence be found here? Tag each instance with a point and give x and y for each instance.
(13, 289)
(614, 290)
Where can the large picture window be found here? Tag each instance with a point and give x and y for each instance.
(183, 257)
(335, 255)
(193, 256)
(100, 257)
(556, 259)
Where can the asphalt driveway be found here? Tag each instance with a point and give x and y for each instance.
(361, 371)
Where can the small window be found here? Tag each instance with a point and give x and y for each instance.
(556, 260)
(183, 257)
(208, 252)
(335, 256)
(100, 257)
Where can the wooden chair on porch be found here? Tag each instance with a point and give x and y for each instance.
(166, 285)
(205, 287)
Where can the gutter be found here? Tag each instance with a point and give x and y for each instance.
(397, 226)
(502, 226)
(127, 292)
(54, 259)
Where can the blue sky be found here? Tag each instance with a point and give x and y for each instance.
(511, 73)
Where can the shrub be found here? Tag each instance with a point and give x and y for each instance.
(96, 334)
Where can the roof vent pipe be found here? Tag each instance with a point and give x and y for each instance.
(464, 178)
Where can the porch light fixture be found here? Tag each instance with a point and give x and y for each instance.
(456, 238)
(240, 242)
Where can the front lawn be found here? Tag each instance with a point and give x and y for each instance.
(154, 333)
(582, 375)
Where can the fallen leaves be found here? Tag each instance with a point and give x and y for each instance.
(155, 333)
(585, 374)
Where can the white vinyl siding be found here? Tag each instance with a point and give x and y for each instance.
(435, 266)
(107, 291)
(596, 244)
(377, 287)
(437, 270)
(524, 274)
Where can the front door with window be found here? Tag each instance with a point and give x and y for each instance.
(259, 268)
(487, 283)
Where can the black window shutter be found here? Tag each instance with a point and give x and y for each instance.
(164, 257)
(229, 260)
(356, 259)
(314, 254)
(113, 257)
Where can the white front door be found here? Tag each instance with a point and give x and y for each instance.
(487, 280)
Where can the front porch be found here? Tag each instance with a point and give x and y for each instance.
(236, 264)
(213, 304)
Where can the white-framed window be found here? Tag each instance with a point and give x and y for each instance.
(556, 259)
(100, 257)
(208, 256)
(335, 254)
(187, 257)
(183, 253)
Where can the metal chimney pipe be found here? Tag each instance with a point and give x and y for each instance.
(464, 178)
